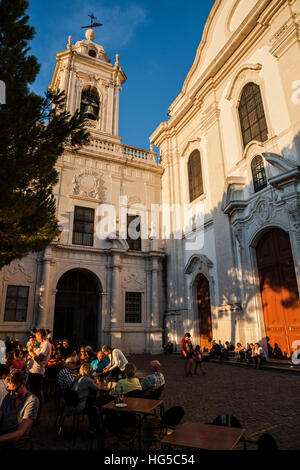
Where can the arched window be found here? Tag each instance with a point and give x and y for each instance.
(252, 115)
(90, 103)
(258, 173)
(195, 175)
(92, 53)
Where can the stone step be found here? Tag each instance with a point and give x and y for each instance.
(270, 365)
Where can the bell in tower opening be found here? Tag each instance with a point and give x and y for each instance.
(90, 103)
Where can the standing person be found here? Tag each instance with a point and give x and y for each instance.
(117, 361)
(198, 360)
(187, 354)
(40, 356)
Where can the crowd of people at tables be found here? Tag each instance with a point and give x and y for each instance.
(80, 373)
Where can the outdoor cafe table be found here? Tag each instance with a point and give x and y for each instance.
(139, 406)
(204, 437)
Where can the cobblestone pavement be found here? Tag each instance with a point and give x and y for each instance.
(261, 400)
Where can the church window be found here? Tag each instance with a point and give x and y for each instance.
(16, 303)
(134, 232)
(252, 115)
(195, 175)
(83, 228)
(133, 307)
(258, 173)
(90, 103)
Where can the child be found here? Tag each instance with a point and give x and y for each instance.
(198, 360)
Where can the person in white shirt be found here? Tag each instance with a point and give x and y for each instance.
(40, 356)
(258, 355)
(117, 361)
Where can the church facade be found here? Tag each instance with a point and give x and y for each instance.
(232, 147)
(89, 287)
(229, 156)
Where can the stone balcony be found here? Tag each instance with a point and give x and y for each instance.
(99, 144)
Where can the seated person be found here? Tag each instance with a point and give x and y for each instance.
(18, 363)
(83, 355)
(4, 372)
(239, 352)
(117, 361)
(168, 348)
(18, 410)
(258, 355)
(248, 352)
(215, 350)
(128, 384)
(67, 375)
(155, 380)
(91, 355)
(100, 363)
(65, 350)
(86, 389)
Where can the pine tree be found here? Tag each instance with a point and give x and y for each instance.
(34, 132)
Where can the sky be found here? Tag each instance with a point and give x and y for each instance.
(157, 42)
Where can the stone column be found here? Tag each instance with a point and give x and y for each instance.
(154, 319)
(115, 311)
(44, 291)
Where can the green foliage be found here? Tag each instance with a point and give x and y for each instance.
(34, 132)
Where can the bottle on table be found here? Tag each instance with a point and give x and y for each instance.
(121, 395)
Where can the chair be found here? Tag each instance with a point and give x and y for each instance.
(169, 421)
(125, 428)
(265, 443)
(230, 421)
(68, 414)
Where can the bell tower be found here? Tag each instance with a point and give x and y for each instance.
(91, 83)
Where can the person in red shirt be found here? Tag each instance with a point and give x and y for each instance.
(18, 363)
(187, 354)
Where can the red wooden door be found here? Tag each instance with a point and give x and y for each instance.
(279, 290)
(204, 312)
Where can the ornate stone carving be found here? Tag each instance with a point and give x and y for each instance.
(238, 233)
(89, 184)
(14, 271)
(263, 210)
(133, 280)
(133, 200)
(293, 208)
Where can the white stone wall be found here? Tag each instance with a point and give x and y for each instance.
(205, 116)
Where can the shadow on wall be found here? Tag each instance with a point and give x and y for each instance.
(267, 275)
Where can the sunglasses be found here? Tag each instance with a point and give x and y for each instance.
(14, 391)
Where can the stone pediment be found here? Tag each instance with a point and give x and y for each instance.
(226, 18)
(233, 193)
(190, 146)
(198, 262)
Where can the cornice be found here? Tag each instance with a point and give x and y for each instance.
(285, 37)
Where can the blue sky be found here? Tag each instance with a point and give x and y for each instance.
(156, 40)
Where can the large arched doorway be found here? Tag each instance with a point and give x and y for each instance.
(77, 308)
(204, 311)
(279, 291)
